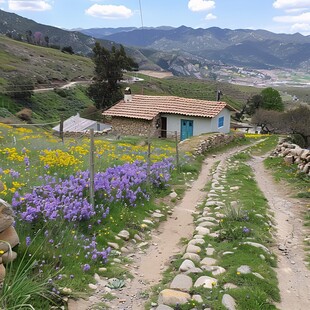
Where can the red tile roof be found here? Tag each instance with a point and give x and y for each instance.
(147, 107)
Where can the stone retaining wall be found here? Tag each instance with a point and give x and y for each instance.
(203, 143)
(294, 154)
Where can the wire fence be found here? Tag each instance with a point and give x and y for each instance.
(88, 139)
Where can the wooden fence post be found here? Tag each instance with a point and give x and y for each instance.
(177, 151)
(92, 169)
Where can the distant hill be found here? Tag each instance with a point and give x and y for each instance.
(259, 49)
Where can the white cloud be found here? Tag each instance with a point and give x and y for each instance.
(201, 5)
(292, 19)
(210, 16)
(2, 1)
(299, 27)
(109, 11)
(295, 11)
(283, 4)
(34, 5)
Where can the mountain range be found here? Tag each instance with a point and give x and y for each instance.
(184, 51)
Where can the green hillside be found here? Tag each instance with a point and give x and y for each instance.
(44, 65)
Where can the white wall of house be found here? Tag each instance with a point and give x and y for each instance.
(226, 125)
(200, 124)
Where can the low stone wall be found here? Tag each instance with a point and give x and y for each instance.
(134, 127)
(294, 154)
(203, 143)
(8, 236)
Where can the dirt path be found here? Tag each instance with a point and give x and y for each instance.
(293, 275)
(148, 265)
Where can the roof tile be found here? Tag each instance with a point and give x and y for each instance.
(147, 107)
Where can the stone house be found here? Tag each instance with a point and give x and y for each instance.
(162, 116)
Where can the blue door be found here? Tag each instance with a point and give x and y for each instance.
(186, 129)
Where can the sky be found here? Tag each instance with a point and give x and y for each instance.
(279, 16)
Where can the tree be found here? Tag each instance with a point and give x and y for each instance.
(270, 121)
(20, 88)
(67, 49)
(29, 37)
(109, 66)
(253, 104)
(297, 121)
(272, 99)
(47, 40)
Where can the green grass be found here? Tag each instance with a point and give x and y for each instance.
(252, 292)
(282, 172)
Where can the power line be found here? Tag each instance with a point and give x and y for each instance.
(141, 15)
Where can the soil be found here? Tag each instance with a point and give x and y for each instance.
(293, 274)
(147, 266)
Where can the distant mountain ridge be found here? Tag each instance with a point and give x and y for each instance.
(242, 47)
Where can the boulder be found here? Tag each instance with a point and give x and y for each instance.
(8, 257)
(206, 282)
(186, 265)
(10, 236)
(228, 302)
(172, 297)
(6, 215)
(182, 283)
(2, 273)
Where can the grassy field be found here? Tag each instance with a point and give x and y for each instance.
(44, 65)
(47, 182)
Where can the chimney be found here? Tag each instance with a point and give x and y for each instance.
(127, 95)
(218, 95)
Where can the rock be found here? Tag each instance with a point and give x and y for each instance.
(194, 270)
(228, 286)
(92, 286)
(206, 282)
(143, 244)
(157, 215)
(206, 224)
(202, 230)
(210, 251)
(196, 241)
(197, 298)
(163, 307)
(192, 256)
(258, 245)
(207, 218)
(137, 237)
(173, 195)
(113, 245)
(217, 270)
(193, 249)
(258, 275)
(9, 235)
(227, 253)
(186, 265)
(235, 188)
(8, 257)
(172, 297)
(244, 269)
(228, 302)
(148, 222)
(6, 215)
(208, 261)
(182, 283)
(124, 234)
(102, 269)
(2, 273)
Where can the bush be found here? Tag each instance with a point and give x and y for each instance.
(25, 114)
(298, 139)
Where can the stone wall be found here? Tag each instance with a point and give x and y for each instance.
(294, 154)
(203, 143)
(8, 236)
(134, 127)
